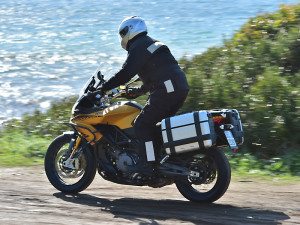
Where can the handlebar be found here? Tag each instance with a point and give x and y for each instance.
(121, 93)
(92, 94)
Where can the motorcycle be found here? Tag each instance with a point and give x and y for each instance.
(102, 138)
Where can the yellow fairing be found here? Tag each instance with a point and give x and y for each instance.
(120, 114)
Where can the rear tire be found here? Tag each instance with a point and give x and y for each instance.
(54, 169)
(222, 180)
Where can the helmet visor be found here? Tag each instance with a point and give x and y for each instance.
(124, 31)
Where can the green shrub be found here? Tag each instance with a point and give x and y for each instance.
(256, 72)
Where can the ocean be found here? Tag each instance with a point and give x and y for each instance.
(48, 49)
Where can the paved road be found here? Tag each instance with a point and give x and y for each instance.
(26, 197)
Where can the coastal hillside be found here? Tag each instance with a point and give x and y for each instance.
(256, 72)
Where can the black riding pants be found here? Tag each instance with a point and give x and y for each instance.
(160, 105)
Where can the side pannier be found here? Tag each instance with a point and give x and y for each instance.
(188, 132)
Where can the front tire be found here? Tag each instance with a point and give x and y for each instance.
(220, 174)
(65, 179)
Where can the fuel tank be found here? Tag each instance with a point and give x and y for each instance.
(120, 114)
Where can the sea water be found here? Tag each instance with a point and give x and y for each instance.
(48, 49)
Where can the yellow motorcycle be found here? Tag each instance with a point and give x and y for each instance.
(103, 139)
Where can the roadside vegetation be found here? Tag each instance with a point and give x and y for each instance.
(257, 72)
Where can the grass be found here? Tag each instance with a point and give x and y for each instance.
(247, 166)
(19, 149)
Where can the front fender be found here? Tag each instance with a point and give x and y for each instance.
(69, 132)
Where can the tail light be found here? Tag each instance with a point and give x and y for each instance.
(218, 120)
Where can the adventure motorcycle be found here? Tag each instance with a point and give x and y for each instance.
(103, 138)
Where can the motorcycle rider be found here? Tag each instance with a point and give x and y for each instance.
(161, 76)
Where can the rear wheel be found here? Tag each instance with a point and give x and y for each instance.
(209, 177)
(73, 178)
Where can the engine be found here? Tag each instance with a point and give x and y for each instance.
(124, 160)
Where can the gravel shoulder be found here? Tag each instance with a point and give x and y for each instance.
(26, 197)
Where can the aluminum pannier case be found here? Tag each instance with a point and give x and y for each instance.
(227, 119)
(188, 132)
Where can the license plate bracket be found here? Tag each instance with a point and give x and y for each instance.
(230, 139)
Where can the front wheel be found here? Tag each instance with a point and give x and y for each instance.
(66, 179)
(209, 178)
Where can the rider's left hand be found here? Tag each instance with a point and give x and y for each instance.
(132, 93)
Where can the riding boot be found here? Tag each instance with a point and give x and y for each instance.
(146, 164)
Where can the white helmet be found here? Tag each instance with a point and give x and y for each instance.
(129, 28)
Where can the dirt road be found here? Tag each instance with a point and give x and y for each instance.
(26, 197)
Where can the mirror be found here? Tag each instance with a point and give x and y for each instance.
(100, 76)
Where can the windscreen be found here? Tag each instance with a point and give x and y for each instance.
(94, 81)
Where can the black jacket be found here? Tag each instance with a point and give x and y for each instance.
(153, 62)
